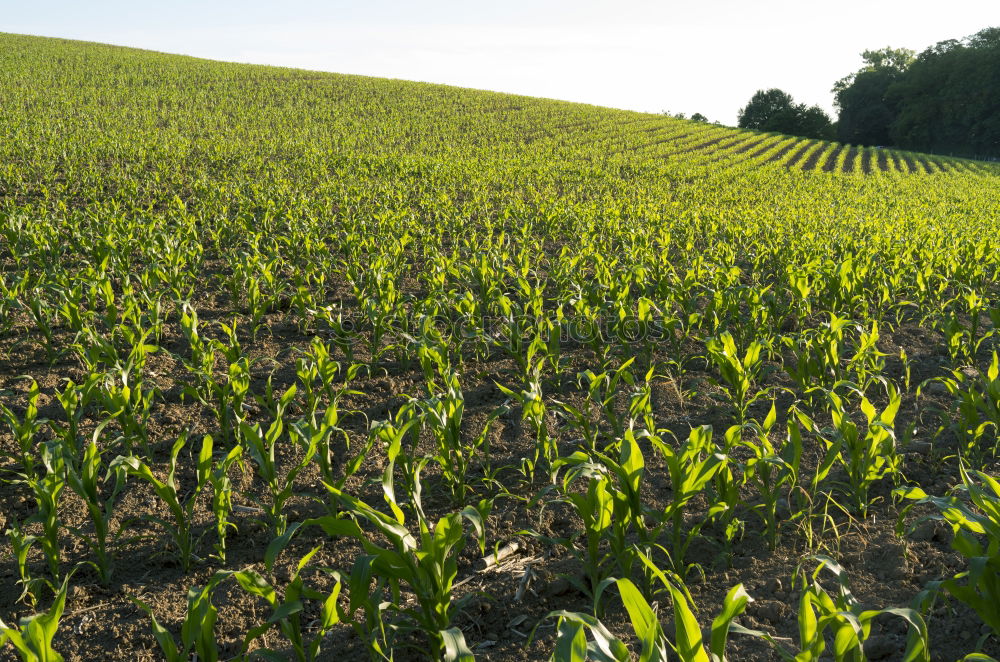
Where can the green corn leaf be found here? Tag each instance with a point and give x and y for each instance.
(735, 603)
(644, 622)
(689, 642)
(455, 648)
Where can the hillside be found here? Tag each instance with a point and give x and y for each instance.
(346, 335)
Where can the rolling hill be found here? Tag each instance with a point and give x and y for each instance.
(284, 355)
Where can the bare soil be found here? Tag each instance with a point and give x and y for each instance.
(508, 602)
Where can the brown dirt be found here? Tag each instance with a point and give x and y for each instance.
(831, 162)
(101, 623)
(866, 162)
(883, 161)
(813, 161)
(849, 161)
(799, 153)
(911, 165)
(780, 154)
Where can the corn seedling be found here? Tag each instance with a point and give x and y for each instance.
(180, 526)
(976, 527)
(32, 637)
(689, 646)
(222, 498)
(24, 430)
(261, 447)
(691, 468)
(20, 543)
(47, 490)
(533, 412)
(287, 612)
(86, 482)
(197, 629)
(442, 415)
(869, 458)
(773, 471)
(739, 373)
(427, 565)
(847, 621)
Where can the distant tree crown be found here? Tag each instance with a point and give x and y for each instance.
(776, 110)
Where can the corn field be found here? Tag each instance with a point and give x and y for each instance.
(304, 366)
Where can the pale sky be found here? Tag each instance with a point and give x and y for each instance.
(706, 57)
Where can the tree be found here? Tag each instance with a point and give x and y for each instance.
(775, 110)
(865, 111)
(948, 98)
(943, 100)
(813, 122)
(698, 117)
(764, 109)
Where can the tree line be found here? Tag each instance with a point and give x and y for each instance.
(944, 100)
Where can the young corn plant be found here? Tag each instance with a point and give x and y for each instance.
(228, 399)
(180, 525)
(131, 406)
(977, 401)
(628, 510)
(74, 399)
(86, 481)
(739, 374)
(975, 521)
(533, 412)
(728, 482)
(222, 498)
(611, 510)
(287, 612)
(20, 544)
(427, 565)
(516, 327)
(393, 434)
(868, 363)
(200, 361)
(774, 471)
(40, 311)
(602, 389)
(572, 644)
(961, 326)
(343, 334)
(24, 429)
(817, 357)
(32, 637)
(320, 434)
(595, 508)
(869, 458)
(261, 447)
(47, 490)
(691, 468)
(318, 372)
(197, 630)
(845, 619)
(583, 421)
(442, 415)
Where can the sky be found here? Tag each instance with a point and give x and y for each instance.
(708, 57)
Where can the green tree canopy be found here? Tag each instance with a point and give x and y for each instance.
(946, 100)
(775, 110)
(865, 114)
(949, 99)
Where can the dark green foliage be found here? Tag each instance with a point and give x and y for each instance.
(945, 100)
(775, 110)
